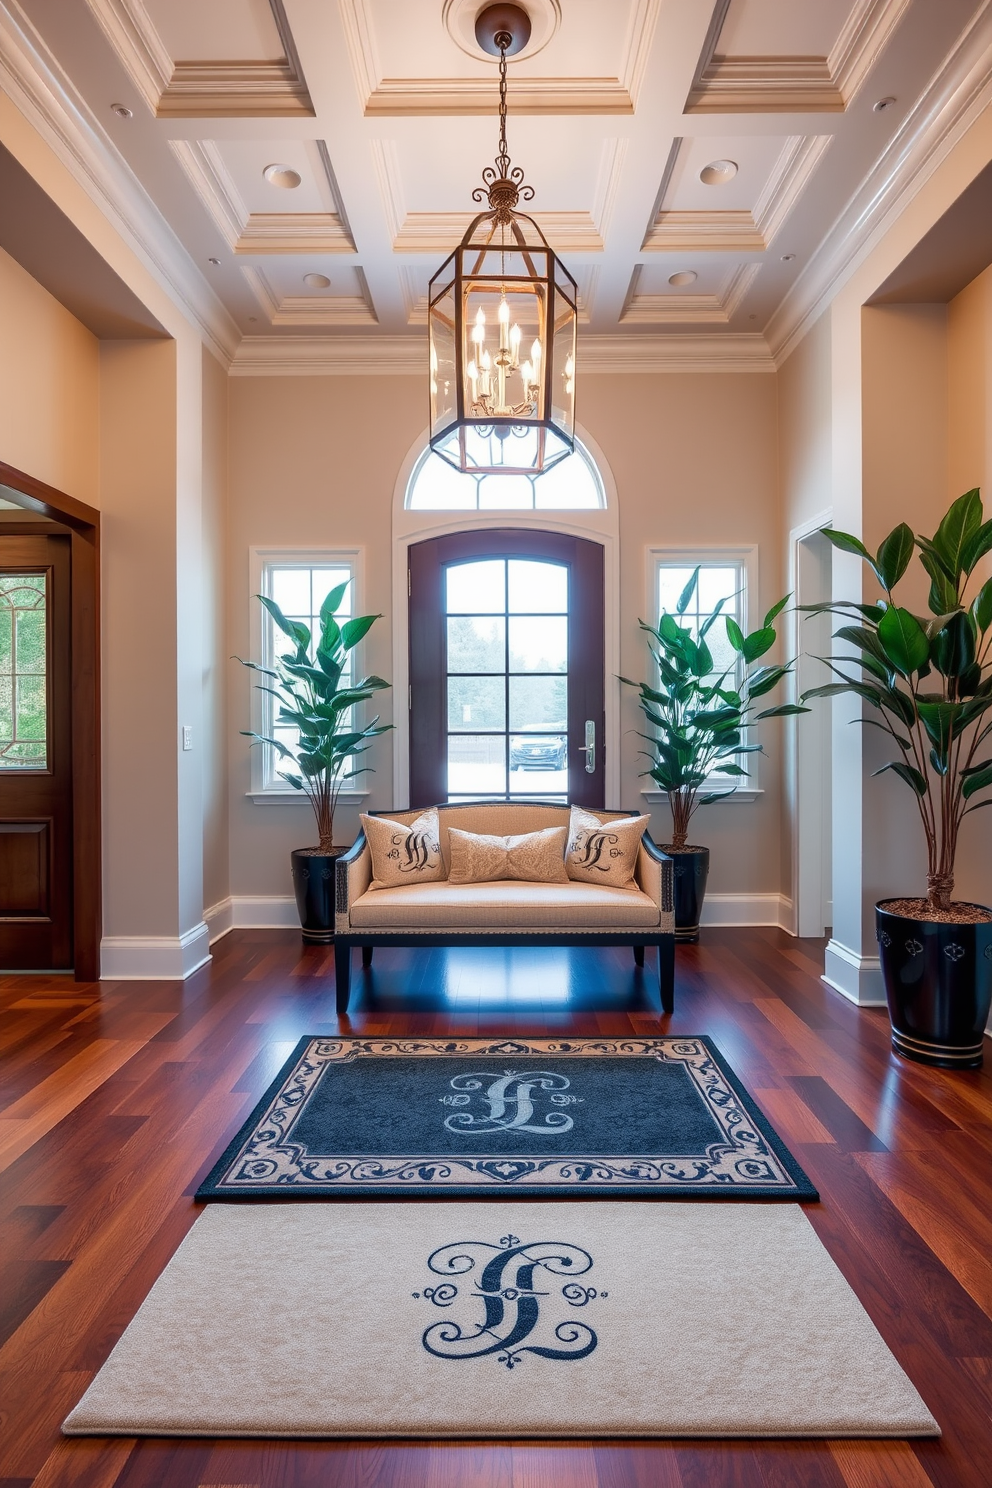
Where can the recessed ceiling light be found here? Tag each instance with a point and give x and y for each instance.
(882, 105)
(253, 320)
(121, 110)
(683, 277)
(788, 257)
(718, 172)
(282, 175)
(316, 281)
(214, 261)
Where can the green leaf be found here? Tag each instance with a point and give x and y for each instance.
(776, 609)
(352, 631)
(940, 721)
(332, 602)
(296, 632)
(961, 522)
(909, 773)
(943, 590)
(758, 642)
(978, 544)
(826, 690)
(894, 554)
(685, 598)
(784, 710)
(976, 782)
(903, 640)
(981, 607)
(952, 649)
(734, 634)
(848, 544)
(765, 679)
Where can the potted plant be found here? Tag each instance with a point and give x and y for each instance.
(312, 698)
(929, 679)
(699, 718)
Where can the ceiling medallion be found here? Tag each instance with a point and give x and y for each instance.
(459, 19)
(498, 407)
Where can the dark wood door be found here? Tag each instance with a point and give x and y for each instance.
(506, 668)
(35, 754)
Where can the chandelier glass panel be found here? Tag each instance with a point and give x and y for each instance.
(502, 334)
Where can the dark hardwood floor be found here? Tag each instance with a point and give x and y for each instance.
(115, 1099)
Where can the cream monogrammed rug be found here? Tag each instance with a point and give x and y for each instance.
(500, 1319)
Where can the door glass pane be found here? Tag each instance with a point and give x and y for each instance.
(476, 643)
(477, 588)
(537, 588)
(538, 643)
(476, 703)
(23, 672)
(507, 635)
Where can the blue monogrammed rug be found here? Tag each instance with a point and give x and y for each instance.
(663, 1117)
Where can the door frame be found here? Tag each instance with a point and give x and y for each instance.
(83, 522)
(600, 526)
(810, 751)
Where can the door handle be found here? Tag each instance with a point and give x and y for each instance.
(589, 748)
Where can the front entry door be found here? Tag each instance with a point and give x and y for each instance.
(35, 755)
(506, 668)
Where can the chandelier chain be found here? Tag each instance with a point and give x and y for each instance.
(504, 183)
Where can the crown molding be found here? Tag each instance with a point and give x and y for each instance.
(783, 84)
(676, 308)
(259, 232)
(743, 231)
(203, 88)
(959, 91)
(384, 97)
(46, 97)
(385, 356)
(311, 310)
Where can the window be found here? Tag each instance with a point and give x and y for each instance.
(571, 485)
(725, 574)
(23, 672)
(299, 584)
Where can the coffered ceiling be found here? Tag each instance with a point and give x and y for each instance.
(315, 158)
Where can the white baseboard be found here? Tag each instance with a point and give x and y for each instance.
(856, 977)
(730, 910)
(247, 912)
(167, 958)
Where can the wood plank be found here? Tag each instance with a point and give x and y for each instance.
(44, 1107)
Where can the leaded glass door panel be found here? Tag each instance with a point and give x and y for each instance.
(35, 754)
(506, 667)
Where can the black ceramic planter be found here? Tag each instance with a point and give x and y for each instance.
(313, 884)
(691, 872)
(938, 984)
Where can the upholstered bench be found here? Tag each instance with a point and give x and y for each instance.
(505, 912)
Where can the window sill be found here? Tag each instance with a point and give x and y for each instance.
(299, 798)
(742, 794)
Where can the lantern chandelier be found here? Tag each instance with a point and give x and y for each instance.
(502, 317)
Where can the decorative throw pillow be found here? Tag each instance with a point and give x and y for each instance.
(536, 856)
(603, 852)
(404, 855)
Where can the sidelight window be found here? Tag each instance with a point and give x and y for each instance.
(23, 672)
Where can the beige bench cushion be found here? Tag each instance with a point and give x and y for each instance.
(504, 906)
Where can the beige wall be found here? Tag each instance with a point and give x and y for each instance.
(314, 463)
(49, 387)
(214, 725)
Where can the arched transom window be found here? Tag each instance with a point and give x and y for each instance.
(571, 485)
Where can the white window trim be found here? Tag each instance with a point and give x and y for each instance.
(600, 524)
(259, 559)
(747, 556)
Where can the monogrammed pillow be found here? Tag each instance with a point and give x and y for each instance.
(603, 852)
(404, 855)
(538, 857)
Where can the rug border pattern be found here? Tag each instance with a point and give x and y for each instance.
(750, 1162)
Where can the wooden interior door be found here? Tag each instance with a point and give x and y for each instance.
(506, 668)
(36, 819)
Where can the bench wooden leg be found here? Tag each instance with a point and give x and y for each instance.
(666, 973)
(638, 955)
(342, 975)
(367, 955)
